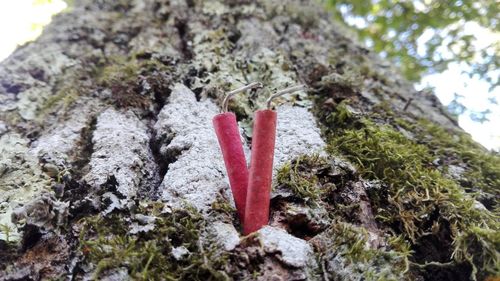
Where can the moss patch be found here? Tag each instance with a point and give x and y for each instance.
(137, 81)
(348, 246)
(8, 249)
(300, 176)
(418, 201)
(223, 210)
(107, 243)
(453, 147)
(64, 97)
(482, 167)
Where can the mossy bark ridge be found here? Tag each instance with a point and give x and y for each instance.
(110, 167)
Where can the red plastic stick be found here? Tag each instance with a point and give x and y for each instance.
(228, 135)
(261, 165)
(261, 171)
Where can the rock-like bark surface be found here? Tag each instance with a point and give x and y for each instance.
(110, 168)
(134, 166)
(196, 175)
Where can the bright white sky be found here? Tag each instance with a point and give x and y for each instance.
(23, 20)
(476, 96)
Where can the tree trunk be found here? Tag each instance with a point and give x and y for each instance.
(110, 168)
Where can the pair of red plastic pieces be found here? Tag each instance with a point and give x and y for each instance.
(251, 188)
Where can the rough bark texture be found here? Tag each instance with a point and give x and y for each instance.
(110, 168)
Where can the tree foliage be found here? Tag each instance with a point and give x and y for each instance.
(424, 36)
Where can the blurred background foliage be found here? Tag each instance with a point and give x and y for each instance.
(424, 36)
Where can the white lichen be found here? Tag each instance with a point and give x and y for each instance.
(292, 251)
(198, 173)
(44, 211)
(57, 145)
(225, 235)
(297, 134)
(21, 178)
(121, 150)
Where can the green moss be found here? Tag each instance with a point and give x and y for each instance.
(300, 177)
(119, 70)
(224, 209)
(108, 243)
(483, 167)
(348, 80)
(418, 199)
(340, 116)
(64, 97)
(488, 240)
(135, 81)
(67, 90)
(454, 147)
(348, 245)
(6, 232)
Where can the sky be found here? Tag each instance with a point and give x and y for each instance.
(475, 92)
(23, 20)
(475, 96)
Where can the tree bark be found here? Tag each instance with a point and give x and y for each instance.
(110, 168)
